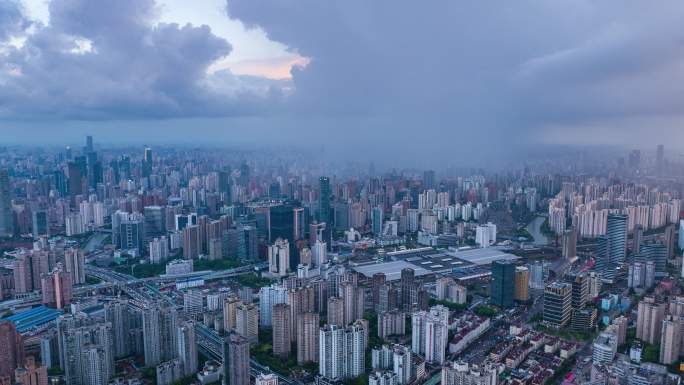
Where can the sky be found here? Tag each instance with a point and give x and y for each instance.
(435, 82)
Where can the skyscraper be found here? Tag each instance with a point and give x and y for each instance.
(282, 222)
(324, 200)
(235, 360)
(376, 218)
(408, 288)
(6, 218)
(75, 172)
(502, 285)
(147, 162)
(379, 279)
(580, 288)
(557, 304)
(131, 232)
(611, 248)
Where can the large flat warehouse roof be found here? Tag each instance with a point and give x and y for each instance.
(482, 256)
(392, 270)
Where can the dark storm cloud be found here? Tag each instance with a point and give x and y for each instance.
(444, 74)
(102, 59)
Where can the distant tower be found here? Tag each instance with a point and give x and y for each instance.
(6, 219)
(324, 200)
(660, 159)
(147, 162)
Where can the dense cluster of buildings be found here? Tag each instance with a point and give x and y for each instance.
(198, 266)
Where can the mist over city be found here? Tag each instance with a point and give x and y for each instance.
(308, 192)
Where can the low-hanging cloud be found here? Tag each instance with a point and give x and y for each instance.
(459, 74)
(438, 80)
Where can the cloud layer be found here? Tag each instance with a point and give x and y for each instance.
(439, 79)
(484, 73)
(100, 59)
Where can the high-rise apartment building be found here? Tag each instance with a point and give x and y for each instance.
(269, 296)
(670, 339)
(187, 348)
(236, 360)
(159, 334)
(230, 305)
(390, 323)
(191, 242)
(430, 333)
(341, 352)
(121, 317)
(12, 352)
(307, 337)
(281, 330)
(336, 311)
(74, 263)
(650, 314)
(31, 373)
(247, 322)
(279, 258)
(57, 288)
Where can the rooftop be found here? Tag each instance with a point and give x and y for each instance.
(482, 256)
(35, 317)
(392, 270)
